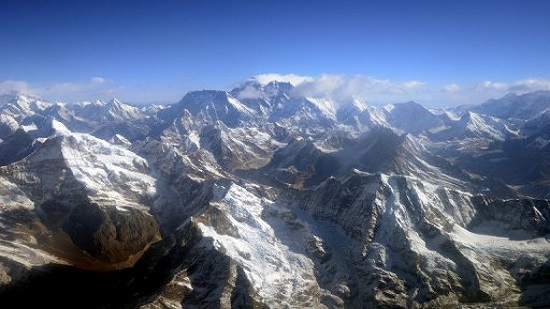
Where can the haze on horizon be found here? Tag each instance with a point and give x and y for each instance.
(433, 52)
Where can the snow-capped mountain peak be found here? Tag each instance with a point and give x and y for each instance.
(260, 197)
(291, 79)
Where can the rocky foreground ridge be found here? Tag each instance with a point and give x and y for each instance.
(259, 198)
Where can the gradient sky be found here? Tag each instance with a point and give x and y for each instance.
(155, 51)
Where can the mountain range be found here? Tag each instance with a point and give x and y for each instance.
(261, 198)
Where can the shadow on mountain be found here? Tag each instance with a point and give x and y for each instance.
(515, 219)
(63, 286)
(536, 288)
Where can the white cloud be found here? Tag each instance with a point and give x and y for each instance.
(10, 86)
(322, 86)
(374, 90)
(480, 92)
(492, 85)
(382, 91)
(339, 87)
(469, 93)
(531, 84)
(249, 92)
(98, 80)
(92, 89)
(452, 88)
(413, 84)
(95, 88)
(294, 79)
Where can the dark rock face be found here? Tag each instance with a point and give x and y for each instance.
(63, 286)
(15, 147)
(528, 215)
(110, 236)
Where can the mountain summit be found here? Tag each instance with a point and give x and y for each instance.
(262, 198)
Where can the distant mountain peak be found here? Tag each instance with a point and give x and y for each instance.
(293, 79)
(252, 197)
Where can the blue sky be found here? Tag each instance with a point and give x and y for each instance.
(434, 52)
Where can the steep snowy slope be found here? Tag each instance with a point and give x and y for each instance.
(412, 117)
(472, 125)
(88, 194)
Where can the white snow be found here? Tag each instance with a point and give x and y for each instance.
(111, 174)
(360, 104)
(11, 197)
(239, 106)
(25, 254)
(326, 106)
(8, 121)
(60, 128)
(19, 250)
(193, 137)
(29, 128)
(485, 126)
(378, 114)
(274, 270)
(500, 245)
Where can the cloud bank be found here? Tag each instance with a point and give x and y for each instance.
(339, 87)
(474, 93)
(94, 88)
(377, 91)
(343, 87)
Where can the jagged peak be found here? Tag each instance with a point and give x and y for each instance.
(59, 127)
(115, 101)
(253, 90)
(15, 96)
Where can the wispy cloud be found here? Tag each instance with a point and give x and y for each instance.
(340, 87)
(484, 85)
(94, 88)
(475, 93)
(294, 79)
(451, 88)
(375, 90)
(382, 91)
(98, 80)
(249, 92)
(531, 84)
(10, 86)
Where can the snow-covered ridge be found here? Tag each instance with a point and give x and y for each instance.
(108, 172)
(261, 197)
